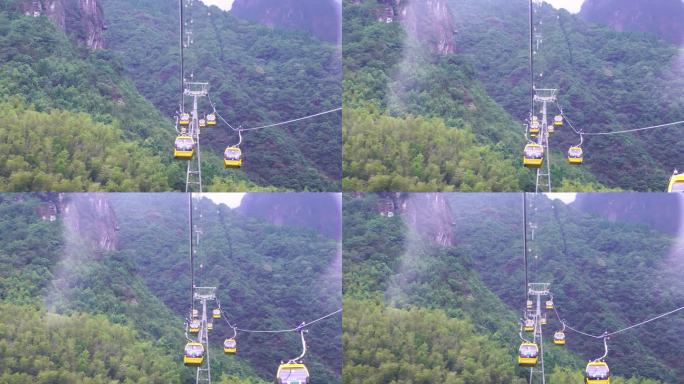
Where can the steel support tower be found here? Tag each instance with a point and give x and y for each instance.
(193, 175)
(204, 294)
(544, 96)
(538, 290)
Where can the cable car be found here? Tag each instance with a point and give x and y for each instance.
(559, 338)
(542, 321)
(229, 346)
(597, 372)
(528, 326)
(195, 313)
(184, 119)
(535, 118)
(550, 129)
(202, 123)
(216, 313)
(232, 157)
(534, 127)
(292, 373)
(528, 354)
(194, 326)
(193, 355)
(183, 147)
(549, 304)
(575, 155)
(210, 326)
(676, 182)
(533, 156)
(211, 119)
(529, 304)
(558, 121)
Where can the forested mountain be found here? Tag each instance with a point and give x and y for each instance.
(103, 311)
(321, 18)
(79, 117)
(474, 287)
(426, 115)
(257, 75)
(660, 17)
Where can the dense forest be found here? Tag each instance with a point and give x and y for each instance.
(607, 81)
(101, 120)
(116, 294)
(405, 294)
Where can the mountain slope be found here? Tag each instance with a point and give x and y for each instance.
(257, 76)
(607, 81)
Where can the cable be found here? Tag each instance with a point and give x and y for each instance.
(298, 328)
(293, 120)
(636, 129)
(608, 334)
(219, 115)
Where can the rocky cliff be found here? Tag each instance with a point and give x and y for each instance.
(664, 18)
(426, 214)
(90, 217)
(321, 18)
(83, 20)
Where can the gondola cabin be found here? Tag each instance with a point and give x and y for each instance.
(292, 373)
(534, 128)
(229, 346)
(597, 372)
(194, 326)
(529, 304)
(211, 119)
(193, 354)
(528, 354)
(528, 326)
(533, 156)
(676, 183)
(575, 155)
(202, 123)
(210, 326)
(195, 313)
(216, 313)
(184, 119)
(232, 157)
(550, 129)
(559, 338)
(549, 304)
(542, 320)
(558, 121)
(183, 148)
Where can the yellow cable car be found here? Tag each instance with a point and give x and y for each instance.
(559, 338)
(292, 373)
(597, 372)
(194, 326)
(575, 155)
(528, 354)
(542, 321)
(534, 127)
(211, 119)
(676, 182)
(193, 355)
(558, 121)
(202, 123)
(216, 313)
(183, 147)
(229, 346)
(533, 155)
(529, 304)
(549, 304)
(528, 326)
(232, 157)
(184, 119)
(195, 313)
(550, 129)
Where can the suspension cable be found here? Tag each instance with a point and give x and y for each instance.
(293, 120)
(304, 325)
(608, 334)
(581, 132)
